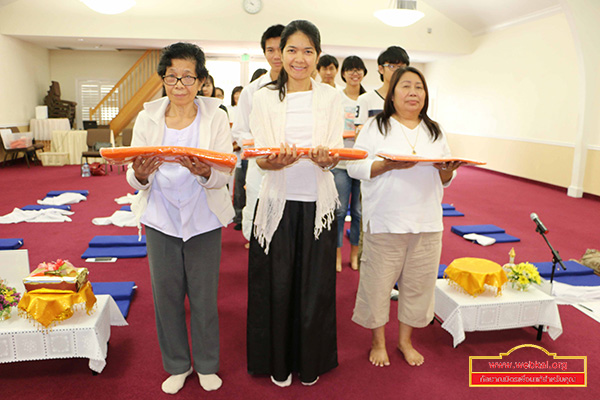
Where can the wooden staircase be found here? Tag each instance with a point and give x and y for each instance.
(136, 87)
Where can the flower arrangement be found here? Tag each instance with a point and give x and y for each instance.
(8, 298)
(522, 275)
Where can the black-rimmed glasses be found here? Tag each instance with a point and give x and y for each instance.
(393, 67)
(172, 80)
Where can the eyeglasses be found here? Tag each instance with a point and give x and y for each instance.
(355, 71)
(172, 80)
(393, 67)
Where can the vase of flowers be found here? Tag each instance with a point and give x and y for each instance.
(9, 298)
(523, 275)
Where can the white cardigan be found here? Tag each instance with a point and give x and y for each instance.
(213, 134)
(267, 124)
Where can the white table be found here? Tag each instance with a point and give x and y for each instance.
(461, 312)
(42, 128)
(81, 336)
(72, 142)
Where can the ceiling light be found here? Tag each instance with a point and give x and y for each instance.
(400, 13)
(109, 6)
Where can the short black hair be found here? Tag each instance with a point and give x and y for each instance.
(183, 51)
(273, 31)
(326, 60)
(393, 55)
(233, 92)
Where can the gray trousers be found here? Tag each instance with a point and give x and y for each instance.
(177, 269)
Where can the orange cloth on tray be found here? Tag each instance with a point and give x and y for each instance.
(472, 274)
(47, 305)
(122, 155)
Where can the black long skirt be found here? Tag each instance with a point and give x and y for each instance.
(291, 299)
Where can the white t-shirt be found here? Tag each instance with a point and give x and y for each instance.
(369, 105)
(177, 203)
(300, 177)
(241, 123)
(405, 200)
(350, 107)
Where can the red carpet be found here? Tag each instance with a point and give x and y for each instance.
(134, 367)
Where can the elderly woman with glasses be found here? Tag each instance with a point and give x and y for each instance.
(183, 206)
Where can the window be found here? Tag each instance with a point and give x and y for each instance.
(226, 75)
(90, 92)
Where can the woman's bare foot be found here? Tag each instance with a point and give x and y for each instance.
(354, 257)
(338, 260)
(412, 356)
(378, 354)
(379, 357)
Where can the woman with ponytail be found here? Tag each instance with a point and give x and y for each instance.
(291, 274)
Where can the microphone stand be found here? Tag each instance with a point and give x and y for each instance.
(555, 256)
(555, 260)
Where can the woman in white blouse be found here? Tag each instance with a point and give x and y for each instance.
(183, 207)
(291, 275)
(402, 215)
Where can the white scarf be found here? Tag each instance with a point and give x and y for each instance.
(267, 123)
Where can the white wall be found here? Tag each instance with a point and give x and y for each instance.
(515, 102)
(519, 83)
(24, 79)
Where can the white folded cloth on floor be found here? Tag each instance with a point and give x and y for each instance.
(480, 239)
(127, 199)
(569, 294)
(46, 215)
(62, 199)
(119, 218)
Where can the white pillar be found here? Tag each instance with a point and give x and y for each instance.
(583, 17)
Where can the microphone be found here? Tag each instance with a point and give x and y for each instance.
(534, 217)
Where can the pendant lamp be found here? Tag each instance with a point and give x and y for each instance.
(109, 6)
(400, 13)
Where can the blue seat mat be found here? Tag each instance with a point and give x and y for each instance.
(503, 237)
(441, 270)
(36, 207)
(11, 244)
(573, 269)
(578, 280)
(54, 193)
(118, 290)
(446, 206)
(452, 213)
(123, 306)
(116, 251)
(462, 230)
(125, 208)
(117, 241)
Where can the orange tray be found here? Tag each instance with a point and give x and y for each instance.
(122, 155)
(345, 154)
(396, 157)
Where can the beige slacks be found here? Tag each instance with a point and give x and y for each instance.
(411, 260)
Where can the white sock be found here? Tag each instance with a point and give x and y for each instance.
(174, 383)
(285, 383)
(210, 381)
(310, 383)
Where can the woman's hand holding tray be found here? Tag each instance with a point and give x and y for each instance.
(345, 153)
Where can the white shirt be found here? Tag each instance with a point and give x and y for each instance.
(301, 179)
(400, 201)
(241, 119)
(350, 109)
(177, 204)
(369, 105)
